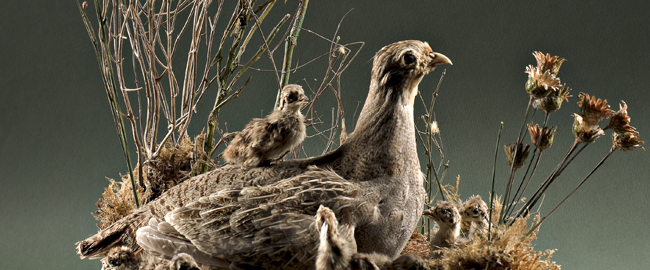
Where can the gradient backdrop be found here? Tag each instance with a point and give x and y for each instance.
(58, 141)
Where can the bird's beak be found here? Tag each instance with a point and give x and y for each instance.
(439, 59)
(304, 99)
(428, 213)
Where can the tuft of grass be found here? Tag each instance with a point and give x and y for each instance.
(174, 164)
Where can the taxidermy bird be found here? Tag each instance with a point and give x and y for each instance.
(476, 212)
(337, 249)
(265, 216)
(446, 215)
(275, 135)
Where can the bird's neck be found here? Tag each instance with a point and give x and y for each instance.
(448, 233)
(384, 137)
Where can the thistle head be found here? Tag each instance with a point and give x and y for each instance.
(553, 101)
(540, 83)
(547, 63)
(620, 121)
(584, 131)
(592, 110)
(541, 137)
(627, 141)
(516, 154)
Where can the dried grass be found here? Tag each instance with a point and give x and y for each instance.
(507, 247)
(510, 248)
(171, 167)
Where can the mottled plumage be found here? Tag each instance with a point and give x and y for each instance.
(476, 212)
(446, 215)
(276, 135)
(265, 216)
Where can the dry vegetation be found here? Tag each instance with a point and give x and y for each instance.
(143, 38)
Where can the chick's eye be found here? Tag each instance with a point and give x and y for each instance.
(409, 59)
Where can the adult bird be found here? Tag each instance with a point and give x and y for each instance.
(373, 181)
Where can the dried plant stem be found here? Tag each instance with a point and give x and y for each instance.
(224, 87)
(102, 52)
(520, 138)
(573, 191)
(494, 165)
(290, 44)
(517, 197)
(549, 180)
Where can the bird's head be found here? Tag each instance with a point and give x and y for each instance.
(403, 64)
(292, 98)
(475, 209)
(443, 213)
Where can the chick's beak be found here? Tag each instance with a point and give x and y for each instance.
(428, 213)
(304, 99)
(439, 59)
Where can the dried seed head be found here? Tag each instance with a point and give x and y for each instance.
(583, 131)
(620, 121)
(540, 83)
(84, 5)
(516, 154)
(553, 101)
(434, 128)
(542, 138)
(548, 63)
(593, 110)
(627, 141)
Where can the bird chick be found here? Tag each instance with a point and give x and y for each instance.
(336, 248)
(121, 258)
(276, 135)
(446, 215)
(476, 212)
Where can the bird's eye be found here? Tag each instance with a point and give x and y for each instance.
(409, 59)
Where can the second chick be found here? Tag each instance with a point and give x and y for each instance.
(273, 136)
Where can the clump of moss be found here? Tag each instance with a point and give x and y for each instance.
(116, 202)
(173, 165)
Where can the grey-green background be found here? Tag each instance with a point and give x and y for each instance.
(58, 142)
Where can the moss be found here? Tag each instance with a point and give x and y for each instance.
(173, 165)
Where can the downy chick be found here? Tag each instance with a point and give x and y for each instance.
(276, 135)
(476, 212)
(446, 215)
(121, 258)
